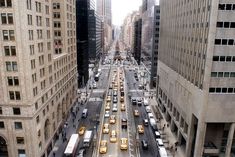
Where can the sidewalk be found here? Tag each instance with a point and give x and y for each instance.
(71, 128)
(168, 138)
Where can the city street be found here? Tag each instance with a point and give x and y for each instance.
(120, 74)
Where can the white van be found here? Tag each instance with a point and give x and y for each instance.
(84, 113)
(150, 115)
(159, 142)
(148, 109)
(162, 152)
(157, 134)
(146, 102)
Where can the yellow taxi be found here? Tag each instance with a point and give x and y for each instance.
(136, 113)
(122, 99)
(116, 85)
(140, 129)
(108, 99)
(106, 128)
(82, 130)
(112, 119)
(107, 107)
(123, 144)
(103, 147)
(123, 108)
(113, 136)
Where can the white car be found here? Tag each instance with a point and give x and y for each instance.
(106, 115)
(94, 85)
(114, 109)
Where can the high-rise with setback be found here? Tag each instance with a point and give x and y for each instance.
(196, 73)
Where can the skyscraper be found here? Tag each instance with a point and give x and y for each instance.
(150, 35)
(196, 75)
(82, 7)
(38, 74)
(104, 10)
(136, 47)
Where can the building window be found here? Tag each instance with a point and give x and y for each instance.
(47, 22)
(56, 15)
(30, 19)
(7, 18)
(40, 47)
(10, 50)
(8, 35)
(29, 4)
(13, 81)
(34, 77)
(30, 34)
(21, 152)
(38, 7)
(14, 95)
(47, 9)
(56, 5)
(38, 20)
(2, 126)
(31, 49)
(18, 126)
(20, 140)
(5, 3)
(37, 119)
(0, 110)
(16, 111)
(11, 66)
(39, 34)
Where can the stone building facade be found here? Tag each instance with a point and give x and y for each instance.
(37, 73)
(196, 74)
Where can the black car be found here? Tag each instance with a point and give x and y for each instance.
(144, 144)
(124, 123)
(133, 101)
(139, 102)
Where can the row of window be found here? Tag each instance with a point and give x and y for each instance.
(18, 125)
(39, 34)
(224, 42)
(222, 74)
(221, 90)
(226, 7)
(224, 58)
(226, 24)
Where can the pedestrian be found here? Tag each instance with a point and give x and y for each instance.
(73, 120)
(53, 154)
(74, 125)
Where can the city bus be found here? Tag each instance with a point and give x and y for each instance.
(72, 145)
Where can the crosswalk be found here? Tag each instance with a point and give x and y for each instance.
(95, 99)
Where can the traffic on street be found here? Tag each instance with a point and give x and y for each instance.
(115, 118)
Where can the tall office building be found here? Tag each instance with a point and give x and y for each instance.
(82, 7)
(94, 35)
(136, 47)
(196, 75)
(38, 74)
(104, 10)
(150, 36)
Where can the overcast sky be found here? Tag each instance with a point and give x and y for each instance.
(120, 9)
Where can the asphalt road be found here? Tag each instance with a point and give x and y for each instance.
(148, 133)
